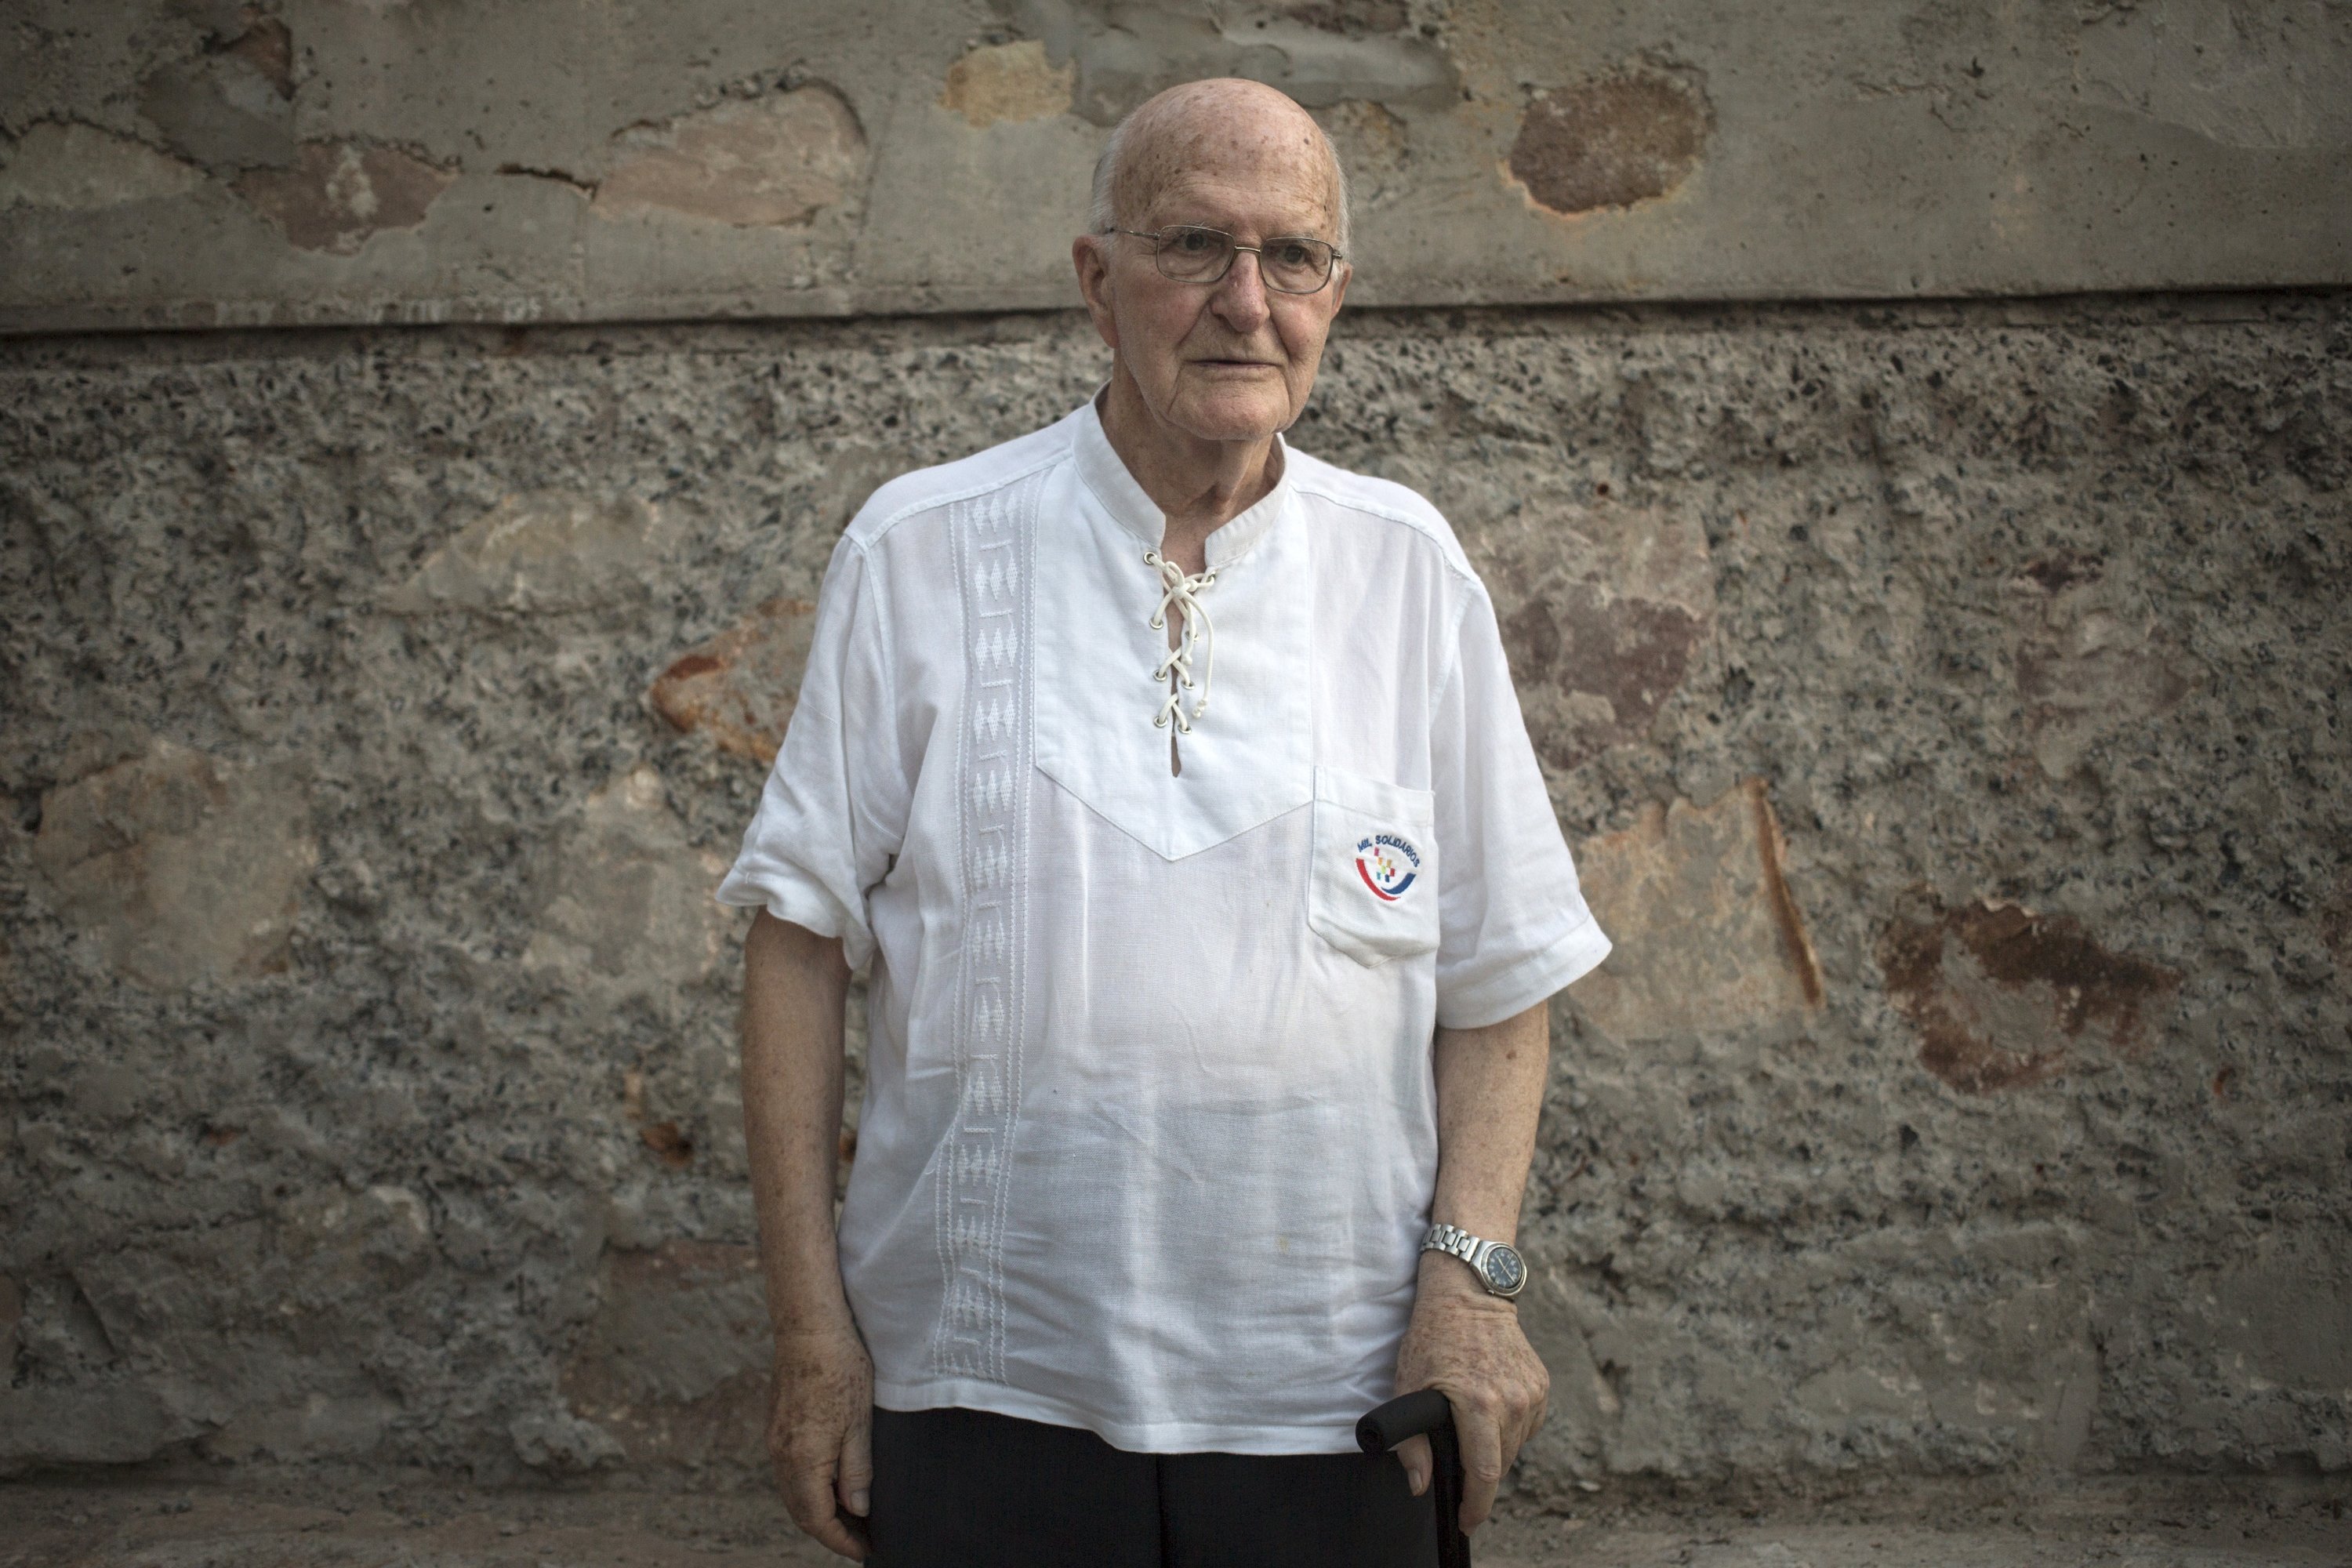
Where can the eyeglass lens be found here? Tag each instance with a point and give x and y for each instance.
(1292, 264)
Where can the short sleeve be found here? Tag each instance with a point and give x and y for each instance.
(834, 811)
(1513, 925)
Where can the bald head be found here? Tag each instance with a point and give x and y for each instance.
(1224, 122)
(1202, 365)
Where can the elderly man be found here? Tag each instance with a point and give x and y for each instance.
(1173, 784)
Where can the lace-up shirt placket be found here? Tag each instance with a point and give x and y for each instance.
(1149, 1138)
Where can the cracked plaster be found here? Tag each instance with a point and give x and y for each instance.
(800, 160)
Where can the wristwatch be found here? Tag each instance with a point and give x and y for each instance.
(1499, 1267)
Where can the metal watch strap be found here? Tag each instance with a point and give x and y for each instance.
(1470, 1250)
(1455, 1240)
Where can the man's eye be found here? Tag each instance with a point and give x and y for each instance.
(1195, 240)
(1291, 253)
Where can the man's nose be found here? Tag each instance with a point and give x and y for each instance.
(1240, 298)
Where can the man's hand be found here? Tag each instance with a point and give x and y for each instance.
(1463, 1340)
(820, 1433)
(1468, 1344)
(821, 1412)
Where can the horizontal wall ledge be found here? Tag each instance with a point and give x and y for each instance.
(171, 166)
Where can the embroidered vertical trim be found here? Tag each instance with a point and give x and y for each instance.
(991, 535)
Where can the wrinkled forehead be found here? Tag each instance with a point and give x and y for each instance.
(1270, 179)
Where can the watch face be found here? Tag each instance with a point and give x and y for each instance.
(1505, 1272)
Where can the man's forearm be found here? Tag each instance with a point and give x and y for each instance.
(1490, 1085)
(794, 985)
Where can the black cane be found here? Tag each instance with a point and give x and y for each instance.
(1405, 1416)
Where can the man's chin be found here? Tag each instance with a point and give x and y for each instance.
(1237, 414)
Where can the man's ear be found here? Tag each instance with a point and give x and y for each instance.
(1339, 286)
(1090, 255)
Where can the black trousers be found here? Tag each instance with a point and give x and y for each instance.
(968, 1488)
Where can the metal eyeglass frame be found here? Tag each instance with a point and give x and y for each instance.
(1233, 253)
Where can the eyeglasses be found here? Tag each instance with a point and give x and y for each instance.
(1290, 264)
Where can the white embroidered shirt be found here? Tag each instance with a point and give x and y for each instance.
(1148, 1139)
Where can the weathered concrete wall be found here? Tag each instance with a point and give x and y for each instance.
(199, 163)
(1948, 705)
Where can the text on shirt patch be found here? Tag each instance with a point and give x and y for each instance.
(1387, 865)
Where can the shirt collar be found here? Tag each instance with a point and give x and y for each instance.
(1105, 474)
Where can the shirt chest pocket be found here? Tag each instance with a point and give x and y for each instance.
(1373, 890)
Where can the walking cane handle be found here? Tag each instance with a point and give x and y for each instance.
(1406, 1416)
(1411, 1415)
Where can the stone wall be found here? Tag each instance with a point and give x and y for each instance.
(1947, 704)
(218, 162)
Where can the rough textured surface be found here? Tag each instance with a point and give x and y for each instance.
(335, 195)
(779, 159)
(740, 687)
(368, 1519)
(180, 869)
(1608, 143)
(205, 163)
(1708, 935)
(1975, 674)
(1011, 82)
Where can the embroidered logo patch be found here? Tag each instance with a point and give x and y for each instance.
(1387, 865)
